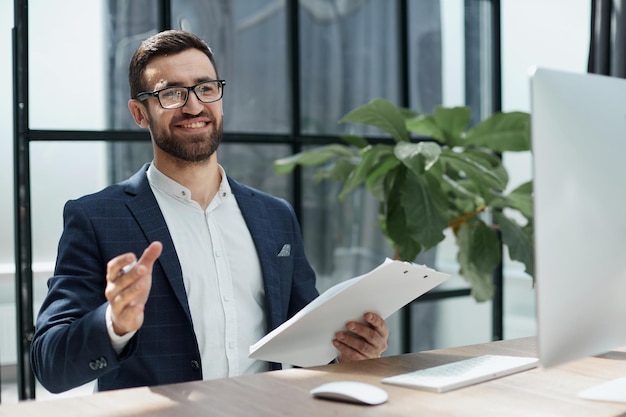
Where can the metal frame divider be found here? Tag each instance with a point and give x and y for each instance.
(22, 210)
(497, 315)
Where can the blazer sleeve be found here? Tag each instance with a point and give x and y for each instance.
(71, 345)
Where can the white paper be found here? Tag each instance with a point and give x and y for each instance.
(306, 339)
(614, 390)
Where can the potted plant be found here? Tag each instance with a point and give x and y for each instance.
(451, 176)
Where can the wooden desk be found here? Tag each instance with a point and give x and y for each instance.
(541, 392)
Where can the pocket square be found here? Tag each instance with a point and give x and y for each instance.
(286, 250)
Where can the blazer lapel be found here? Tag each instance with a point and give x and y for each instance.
(147, 213)
(258, 221)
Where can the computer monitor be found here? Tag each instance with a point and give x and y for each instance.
(578, 136)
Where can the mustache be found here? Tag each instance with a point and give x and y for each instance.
(186, 117)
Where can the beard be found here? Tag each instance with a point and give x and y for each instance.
(191, 148)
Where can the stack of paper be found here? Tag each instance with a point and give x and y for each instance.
(306, 339)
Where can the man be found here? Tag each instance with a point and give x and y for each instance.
(221, 263)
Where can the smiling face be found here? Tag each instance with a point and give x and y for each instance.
(189, 134)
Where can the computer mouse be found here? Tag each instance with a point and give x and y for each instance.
(351, 391)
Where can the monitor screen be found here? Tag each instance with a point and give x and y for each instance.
(578, 131)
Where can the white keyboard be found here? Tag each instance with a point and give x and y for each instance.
(465, 372)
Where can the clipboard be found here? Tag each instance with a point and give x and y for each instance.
(306, 339)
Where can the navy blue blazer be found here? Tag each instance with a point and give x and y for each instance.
(71, 345)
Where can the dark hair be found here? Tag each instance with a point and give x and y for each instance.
(163, 43)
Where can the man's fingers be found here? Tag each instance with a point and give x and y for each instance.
(152, 252)
(117, 264)
(353, 347)
(124, 264)
(377, 323)
(128, 292)
(363, 341)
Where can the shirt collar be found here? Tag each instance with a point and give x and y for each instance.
(172, 188)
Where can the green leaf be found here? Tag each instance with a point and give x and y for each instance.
(518, 240)
(316, 156)
(482, 288)
(377, 188)
(426, 125)
(446, 125)
(486, 156)
(339, 171)
(479, 254)
(375, 179)
(354, 140)
(382, 114)
(371, 156)
(423, 215)
(409, 218)
(460, 204)
(438, 195)
(502, 132)
(408, 113)
(520, 199)
(408, 249)
(458, 189)
(418, 157)
(485, 250)
(453, 122)
(474, 168)
(493, 161)
(393, 222)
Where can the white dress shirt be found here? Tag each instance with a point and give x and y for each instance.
(221, 273)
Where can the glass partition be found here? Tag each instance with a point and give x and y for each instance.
(348, 55)
(67, 65)
(250, 45)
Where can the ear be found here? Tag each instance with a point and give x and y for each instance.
(139, 113)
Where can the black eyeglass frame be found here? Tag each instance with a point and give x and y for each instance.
(144, 95)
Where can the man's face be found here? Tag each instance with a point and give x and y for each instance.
(193, 132)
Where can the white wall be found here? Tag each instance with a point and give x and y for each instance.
(550, 33)
(453, 52)
(6, 136)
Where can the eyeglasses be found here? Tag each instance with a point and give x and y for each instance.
(176, 97)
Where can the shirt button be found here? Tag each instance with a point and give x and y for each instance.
(195, 365)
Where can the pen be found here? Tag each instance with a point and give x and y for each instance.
(127, 268)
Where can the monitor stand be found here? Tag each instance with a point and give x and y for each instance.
(614, 390)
